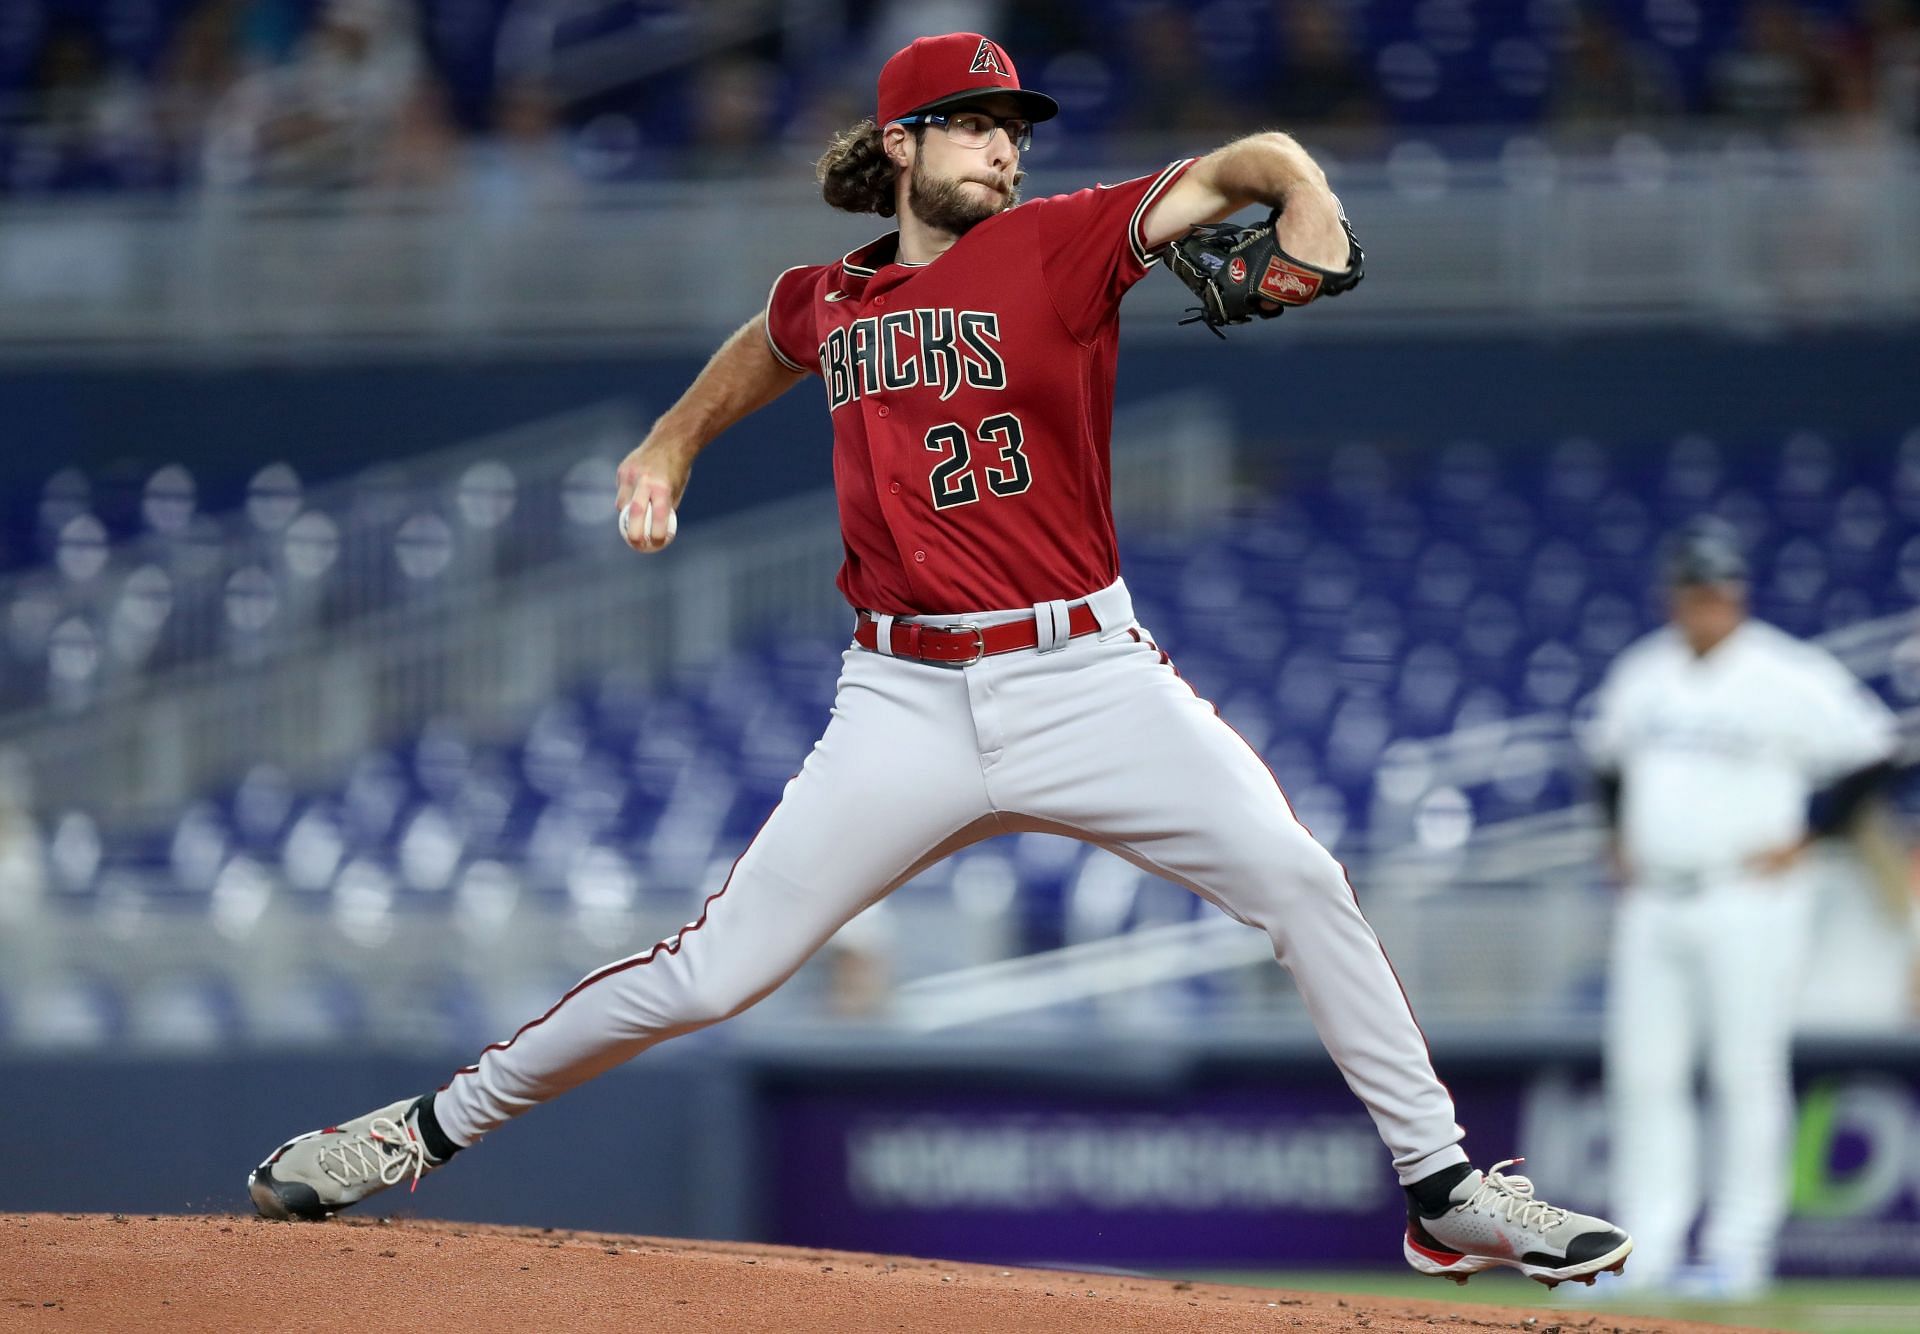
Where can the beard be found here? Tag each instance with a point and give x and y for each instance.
(943, 205)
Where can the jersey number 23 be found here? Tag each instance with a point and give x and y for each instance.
(953, 480)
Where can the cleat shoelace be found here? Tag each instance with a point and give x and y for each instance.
(1512, 1198)
(388, 1150)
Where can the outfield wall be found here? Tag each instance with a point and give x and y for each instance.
(1230, 1155)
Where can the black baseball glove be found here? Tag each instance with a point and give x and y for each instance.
(1241, 272)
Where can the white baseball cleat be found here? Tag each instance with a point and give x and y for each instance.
(1495, 1220)
(315, 1175)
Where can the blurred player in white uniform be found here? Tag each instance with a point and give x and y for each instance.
(1712, 740)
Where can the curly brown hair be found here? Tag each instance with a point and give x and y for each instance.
(855, 173)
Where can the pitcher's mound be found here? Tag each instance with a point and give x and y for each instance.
(214, 1272)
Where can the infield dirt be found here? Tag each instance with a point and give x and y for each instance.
(220, 1272)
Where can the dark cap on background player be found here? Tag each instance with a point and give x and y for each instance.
(1704, 551)
(1705, 573)
(955, 68)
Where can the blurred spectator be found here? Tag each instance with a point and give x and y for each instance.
(357, 104)
(524, 160)
(70, 77)
(1320, 79)
(203, 62)
(1768, 77)
(1842, 64)
(1891, 38)
(1168, 89)
(824, 114)
(734, 100)
(94, 126)
(329, 93)
(898, 22)
(23, 862)
(1609, 79)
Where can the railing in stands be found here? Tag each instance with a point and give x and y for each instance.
(1682, 225)
(499, 632)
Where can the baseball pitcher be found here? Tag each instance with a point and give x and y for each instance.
(997, 680)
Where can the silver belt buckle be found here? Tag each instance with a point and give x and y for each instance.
(979, 643)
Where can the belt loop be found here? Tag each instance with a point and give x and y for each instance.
(1050, 629)
(883, 634)
(1111, 606)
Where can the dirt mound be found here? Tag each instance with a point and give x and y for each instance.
(213, 1272)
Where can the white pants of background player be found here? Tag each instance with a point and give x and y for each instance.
(1098, 739)
(1717, 967)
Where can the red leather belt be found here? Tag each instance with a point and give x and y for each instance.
(958, 645)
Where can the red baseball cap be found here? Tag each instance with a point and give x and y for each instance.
(936, 72)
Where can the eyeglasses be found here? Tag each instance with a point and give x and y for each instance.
(974, 129)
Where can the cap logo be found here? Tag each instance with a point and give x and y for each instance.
(987, 60)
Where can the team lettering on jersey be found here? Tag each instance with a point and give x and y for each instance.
(937, 347)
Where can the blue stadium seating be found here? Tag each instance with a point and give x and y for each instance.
(1391, 597)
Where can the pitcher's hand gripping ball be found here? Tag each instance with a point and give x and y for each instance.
(638, 529)
(1241, 272)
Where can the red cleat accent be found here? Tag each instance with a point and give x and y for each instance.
(1437, 1256)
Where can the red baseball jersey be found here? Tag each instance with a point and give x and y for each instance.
(972, 401)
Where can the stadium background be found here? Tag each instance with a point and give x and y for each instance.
(322, 323)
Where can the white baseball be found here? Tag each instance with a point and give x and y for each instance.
(646, 524)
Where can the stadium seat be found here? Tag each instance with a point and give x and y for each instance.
(1379, 603)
